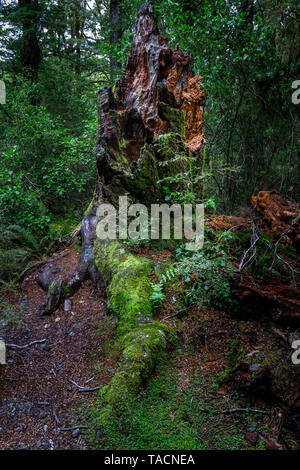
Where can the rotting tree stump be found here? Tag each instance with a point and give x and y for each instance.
(158, 94)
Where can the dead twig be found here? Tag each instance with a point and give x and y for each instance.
(175, 314)
(56, 419)
(251, 410)
(89, 389)
(84, 389)
(16, 346)
(73, 427)
(89, 380)
(254, 240)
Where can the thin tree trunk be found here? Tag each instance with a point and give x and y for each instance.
(115, 34)
(30, 53)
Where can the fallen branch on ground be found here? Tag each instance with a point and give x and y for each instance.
(84, 389)
(16, 346)
(89, 389)
(251, 410)
(175, 314)
(73, 427)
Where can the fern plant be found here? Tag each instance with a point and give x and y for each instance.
(158, 295)
(18, 246)
(25, 238)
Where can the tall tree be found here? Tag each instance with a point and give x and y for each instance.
(115, 34)
(30, 52)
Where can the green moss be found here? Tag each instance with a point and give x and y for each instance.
(143, 184)
(142, 348)
(127, 281)
(175, 117)
(141, 339)
(225, 377)
(88, 208)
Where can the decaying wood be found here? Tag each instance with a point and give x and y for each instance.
(280, 216)
(157, 94)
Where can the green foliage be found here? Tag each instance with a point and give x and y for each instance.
(207, 274)
(26, 239)
(233, 352)
(181, 174)
(248, 57)
(43, 167)
(158, 295)
(11, 262)
(9, 315)
(19, 246)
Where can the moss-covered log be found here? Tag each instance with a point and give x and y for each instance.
(141, 339)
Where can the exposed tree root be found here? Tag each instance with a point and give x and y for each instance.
(57, 289)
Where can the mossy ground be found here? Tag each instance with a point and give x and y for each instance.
(187, 401)
(171, 416)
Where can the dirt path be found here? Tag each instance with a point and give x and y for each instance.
(37, 396)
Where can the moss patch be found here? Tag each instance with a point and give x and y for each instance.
(141, 340)
(170, 416)
(127, 281)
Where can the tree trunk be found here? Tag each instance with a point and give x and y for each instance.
(115, 34)
(30, 53)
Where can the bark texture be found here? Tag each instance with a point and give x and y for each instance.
(57, 289)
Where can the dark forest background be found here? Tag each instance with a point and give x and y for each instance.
(56, 55)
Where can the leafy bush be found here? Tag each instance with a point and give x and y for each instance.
(43, 166)
(207, 273)
(20, 203)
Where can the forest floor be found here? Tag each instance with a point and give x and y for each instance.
(184, 405)
(38, 399)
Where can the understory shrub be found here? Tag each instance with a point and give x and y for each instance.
(206, 274)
